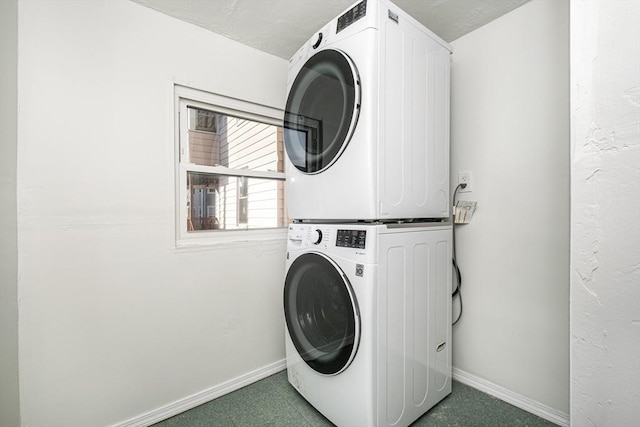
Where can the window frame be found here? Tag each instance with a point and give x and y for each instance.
(184, 98)
(243, 196)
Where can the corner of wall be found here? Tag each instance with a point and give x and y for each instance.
(510, 128)
(9, 384)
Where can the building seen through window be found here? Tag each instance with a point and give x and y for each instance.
(234, 172)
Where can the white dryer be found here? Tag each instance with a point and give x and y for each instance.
(366, 125)
(368, 315)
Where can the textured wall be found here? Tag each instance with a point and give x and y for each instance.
(605, 205)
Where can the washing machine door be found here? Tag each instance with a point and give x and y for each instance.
(321, 313)
(322, 111)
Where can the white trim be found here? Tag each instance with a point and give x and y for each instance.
(204, 396)
(225, 239)
(223, 170)
(230, 106)
(515, 399)
(183, 98)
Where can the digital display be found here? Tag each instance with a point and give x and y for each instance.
(352, 15)
(351, 239)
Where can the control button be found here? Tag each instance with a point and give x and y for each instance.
(317, 43)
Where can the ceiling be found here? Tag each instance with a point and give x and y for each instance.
(280, 27)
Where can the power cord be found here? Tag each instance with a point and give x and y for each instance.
(458, 289)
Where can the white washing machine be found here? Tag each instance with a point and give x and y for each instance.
(368, 314)
(366, 125)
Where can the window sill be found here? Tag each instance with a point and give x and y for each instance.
(231, 239)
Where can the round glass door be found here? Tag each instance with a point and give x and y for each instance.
(322, 111)
(321, 313)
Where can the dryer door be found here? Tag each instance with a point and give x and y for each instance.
(321, 313)
(322, 111)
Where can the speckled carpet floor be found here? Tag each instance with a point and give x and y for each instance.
(273, 402)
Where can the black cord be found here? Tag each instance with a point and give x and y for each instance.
(458, 289)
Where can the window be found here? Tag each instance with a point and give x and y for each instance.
(202, 120)
(229, 168)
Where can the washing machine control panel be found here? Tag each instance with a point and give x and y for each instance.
(306, 236)
(351, 239)
(352, 15)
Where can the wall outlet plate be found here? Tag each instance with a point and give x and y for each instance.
(464, 177)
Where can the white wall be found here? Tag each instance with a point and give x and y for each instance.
(114, 322)
(9, 398)
(510, 127)
(605, 207)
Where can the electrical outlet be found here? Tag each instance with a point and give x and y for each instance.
(465, 178)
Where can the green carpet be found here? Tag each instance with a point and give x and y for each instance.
(273, 402)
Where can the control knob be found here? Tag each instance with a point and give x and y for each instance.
(317, 43)
(316, 236)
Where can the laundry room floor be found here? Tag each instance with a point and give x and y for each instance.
(273, 402)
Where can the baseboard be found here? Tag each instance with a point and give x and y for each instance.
(204, 396)
(515, 399)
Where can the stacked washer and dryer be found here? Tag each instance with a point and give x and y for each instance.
(367, 294)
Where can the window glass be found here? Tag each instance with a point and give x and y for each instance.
(224, 202)
(217, 139)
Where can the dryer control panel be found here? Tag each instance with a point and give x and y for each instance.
(352, 15)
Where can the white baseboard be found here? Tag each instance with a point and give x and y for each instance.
(204, 396)
(515, 399)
